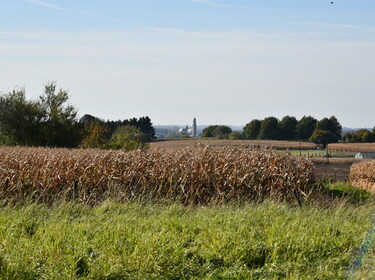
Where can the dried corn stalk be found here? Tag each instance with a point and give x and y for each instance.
(191, 175)
(362, 175)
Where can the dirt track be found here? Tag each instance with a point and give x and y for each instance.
(338, 168)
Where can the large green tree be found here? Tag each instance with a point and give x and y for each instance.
(95, 135)
(128, 138)
(323, 137)
(143, 123)
(332, 125)
(287, 128)
(20, 119)
(336, 127)
(60, 124)
(48, 121)
(217, 131)
(252, 129)
(208, 131)
(269, 129)
(305, 128)
(87, 118)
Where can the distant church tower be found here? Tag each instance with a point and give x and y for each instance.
(194, 127)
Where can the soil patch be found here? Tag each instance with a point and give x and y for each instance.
(337, 169)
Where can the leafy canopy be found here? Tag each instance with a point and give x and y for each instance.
(48, 121)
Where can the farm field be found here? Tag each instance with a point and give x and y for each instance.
(337, 169)
(130, 140)
(269, 144)
(353, 147)
(191, 176)
(192, 213)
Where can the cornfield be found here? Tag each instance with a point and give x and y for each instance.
(362, 175)
(353, 147)
(191, 176)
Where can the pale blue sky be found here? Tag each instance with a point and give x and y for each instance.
(224, 62)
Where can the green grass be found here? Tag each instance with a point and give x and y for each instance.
(304, 153)
(348, 192)
(169, 241)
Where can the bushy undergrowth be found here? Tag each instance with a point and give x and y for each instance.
(191, 176)
(169, 241)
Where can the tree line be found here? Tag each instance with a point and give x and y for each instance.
(50, 121)
(127, 134)
(359, 136)
(327, 130)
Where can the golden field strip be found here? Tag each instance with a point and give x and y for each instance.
(268, 144)
(191, 176)
(353, 147)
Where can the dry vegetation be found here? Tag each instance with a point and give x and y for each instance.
(189, 175)
(353, 147)
(362, 175)
(268, 144)
(337, 169)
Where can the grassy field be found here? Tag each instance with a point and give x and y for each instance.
(310, 153)
(169, 241)
(338, 166)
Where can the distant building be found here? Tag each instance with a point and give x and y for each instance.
(191, 132)
(365, 155)
(185, 131)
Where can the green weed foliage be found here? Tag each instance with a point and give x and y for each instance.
(134, 240)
